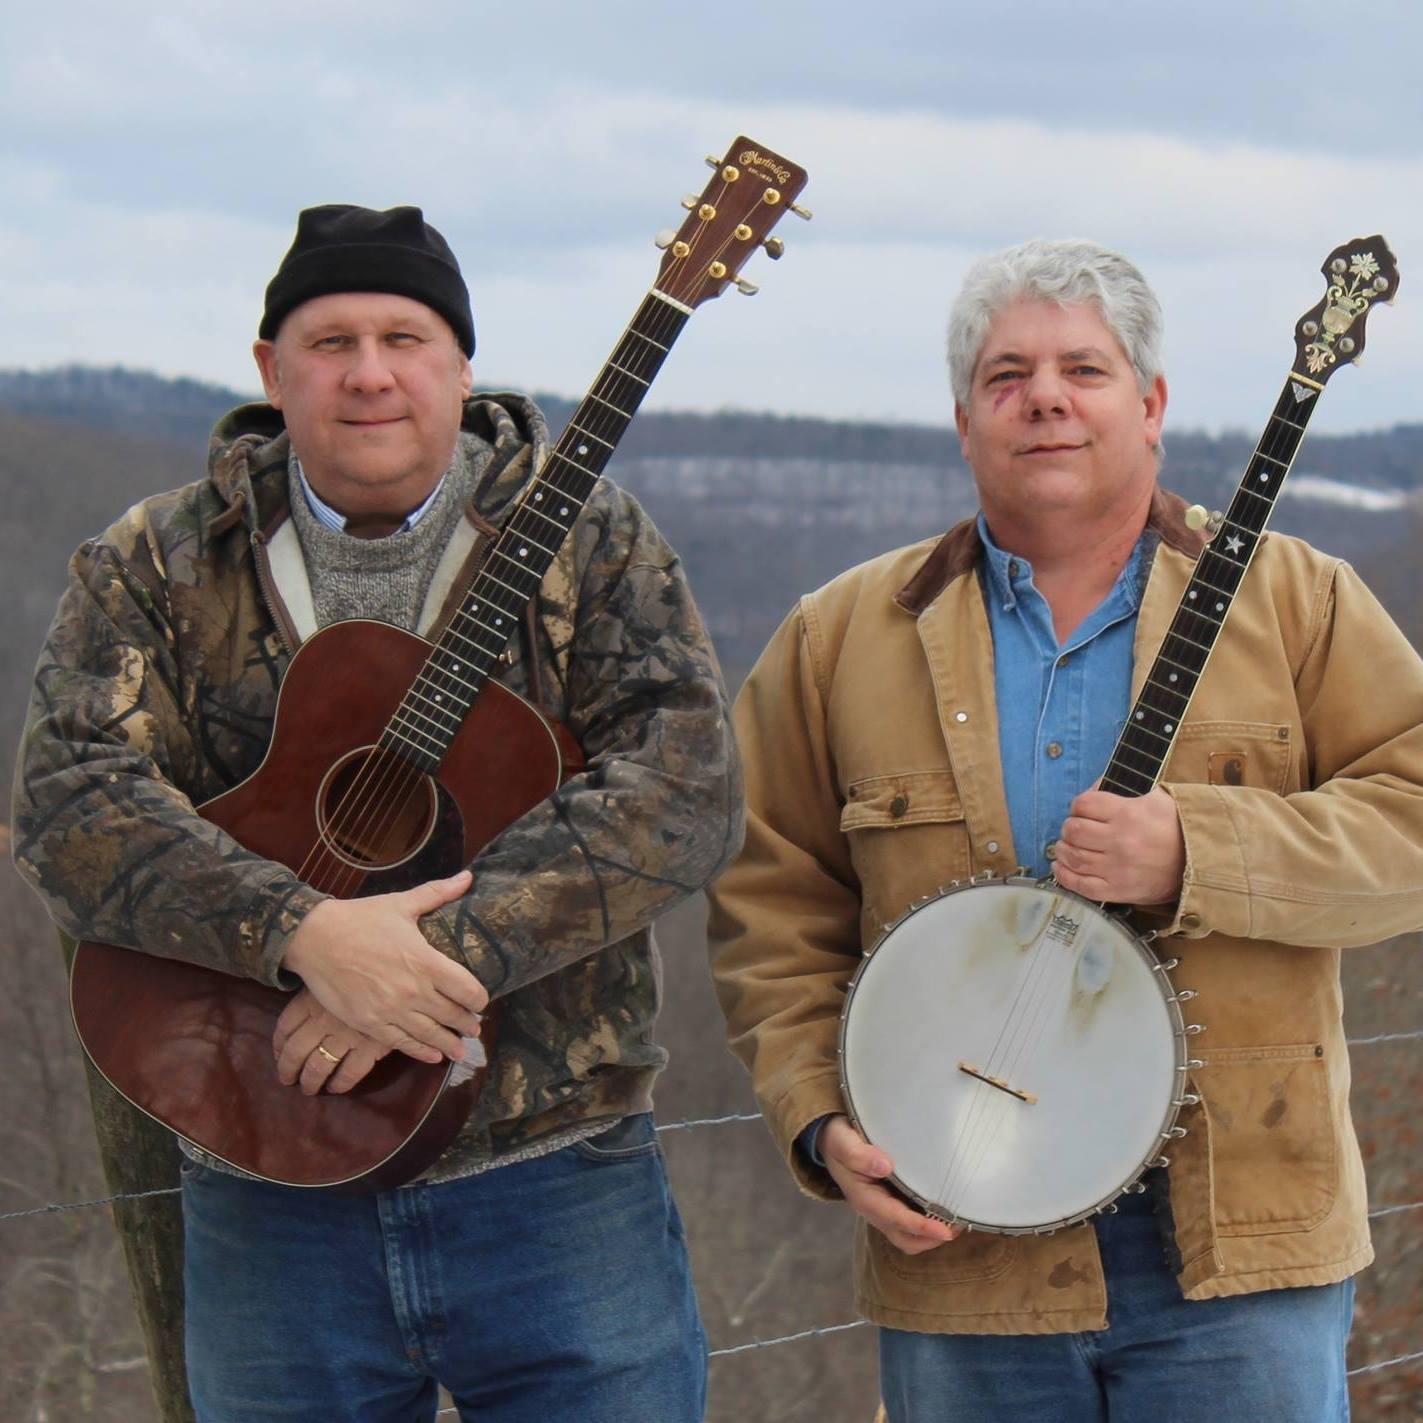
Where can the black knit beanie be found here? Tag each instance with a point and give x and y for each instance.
(340, 248)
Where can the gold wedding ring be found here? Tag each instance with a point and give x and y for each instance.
(328, 1055)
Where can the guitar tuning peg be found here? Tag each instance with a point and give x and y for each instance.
(775, 248)
(713, 161)
(804, 214)
(665, 238)
(746, 288)
(691, 201)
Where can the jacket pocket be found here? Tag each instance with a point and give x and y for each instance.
(1234, 753)
(1273, 1154)
(976, 1256)
(907, 838)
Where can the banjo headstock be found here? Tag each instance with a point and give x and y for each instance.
(1359, 273)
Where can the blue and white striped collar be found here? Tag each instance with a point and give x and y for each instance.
(334, 519)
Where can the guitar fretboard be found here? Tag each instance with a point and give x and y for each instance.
(431, 712)
(1156, 717)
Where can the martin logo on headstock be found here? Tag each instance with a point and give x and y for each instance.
(749, 191)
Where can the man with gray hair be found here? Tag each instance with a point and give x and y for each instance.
(946, 710)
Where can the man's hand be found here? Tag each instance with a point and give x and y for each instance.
(1122, 849)
(315, 1048)
(366, 962)
(858, 1168)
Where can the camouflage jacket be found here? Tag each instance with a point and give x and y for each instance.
(156, 691)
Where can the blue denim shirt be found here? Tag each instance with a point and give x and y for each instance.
(1060, 706)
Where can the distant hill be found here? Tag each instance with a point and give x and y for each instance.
(184, 410)
(761, 507)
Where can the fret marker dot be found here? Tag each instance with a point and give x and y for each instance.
(499, 622)
(582, 449)
(1264, 479)
(437, 696)
(1171, 678)
(563, 512)
(1141, 716)
(454, 667)
(1220, 607)
(523, 553)
(1169, 727)
(538, 498)
(1192, 595)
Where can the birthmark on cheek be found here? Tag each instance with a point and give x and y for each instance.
(1002, 396)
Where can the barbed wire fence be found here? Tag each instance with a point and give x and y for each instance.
(697, 1123)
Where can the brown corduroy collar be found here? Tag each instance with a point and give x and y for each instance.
(960, 549)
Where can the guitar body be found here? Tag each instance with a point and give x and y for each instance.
(192, 1047)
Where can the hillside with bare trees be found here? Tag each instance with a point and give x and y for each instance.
(757, 522)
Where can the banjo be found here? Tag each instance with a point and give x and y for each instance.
(982, 1037)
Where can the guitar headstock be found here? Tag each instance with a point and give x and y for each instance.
(747, 195)
(1360, 273)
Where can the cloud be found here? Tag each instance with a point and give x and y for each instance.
(166, 159)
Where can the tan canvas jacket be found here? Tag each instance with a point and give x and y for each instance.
(870, 738)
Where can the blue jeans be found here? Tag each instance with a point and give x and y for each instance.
(551, 1289)
(1272, 1357)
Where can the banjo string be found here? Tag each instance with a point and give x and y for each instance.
(1027, 1045)
(1022, 1046)
(1031, 988)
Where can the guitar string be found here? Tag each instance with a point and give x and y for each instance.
(395, 786)
(386, 784)
(396, 790)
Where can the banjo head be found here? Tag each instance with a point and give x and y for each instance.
(1016, 1051)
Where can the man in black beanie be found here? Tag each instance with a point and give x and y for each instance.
(537, 1270)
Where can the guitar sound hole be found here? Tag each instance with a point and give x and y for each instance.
(376, 811)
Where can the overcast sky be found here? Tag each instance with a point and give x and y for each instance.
(155, 157)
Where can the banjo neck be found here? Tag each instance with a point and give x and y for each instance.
(1359, 273)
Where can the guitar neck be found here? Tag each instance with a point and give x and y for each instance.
(1155, 719)
(431, 712)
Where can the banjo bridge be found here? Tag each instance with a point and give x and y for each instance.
(998, 1082)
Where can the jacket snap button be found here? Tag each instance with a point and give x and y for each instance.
(898, 806)
(1191, 921)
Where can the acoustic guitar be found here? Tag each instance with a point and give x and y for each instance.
(394, 760)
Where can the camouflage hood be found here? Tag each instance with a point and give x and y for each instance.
(249, 446)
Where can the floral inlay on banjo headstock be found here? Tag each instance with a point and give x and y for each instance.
(1359, 273)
